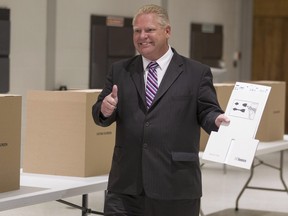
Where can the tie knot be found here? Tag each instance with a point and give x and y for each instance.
(152, 65)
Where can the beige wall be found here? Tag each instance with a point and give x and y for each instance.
(68, 61)
(224, 12)
(28, 36)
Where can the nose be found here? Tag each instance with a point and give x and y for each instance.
(143, 34)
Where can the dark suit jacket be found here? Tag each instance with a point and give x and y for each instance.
(157, 149)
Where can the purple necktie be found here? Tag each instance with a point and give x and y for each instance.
(152, 83)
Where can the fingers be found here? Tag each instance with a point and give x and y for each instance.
(226, 119)
(222, 119)
(109, 103)
(108, 106)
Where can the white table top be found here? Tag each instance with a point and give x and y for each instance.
(269, 147)
(37, 188)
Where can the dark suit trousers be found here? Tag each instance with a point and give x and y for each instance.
(128, 205)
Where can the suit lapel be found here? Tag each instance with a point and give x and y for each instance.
(137, 75)
(173, 71)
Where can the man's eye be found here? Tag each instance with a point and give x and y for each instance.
(137, 31)
(150, 30)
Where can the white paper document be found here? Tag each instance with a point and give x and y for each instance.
(235, 144)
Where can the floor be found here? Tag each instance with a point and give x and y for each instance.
(245, 212)
(220, 190)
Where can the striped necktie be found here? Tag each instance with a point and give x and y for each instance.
(152, 83)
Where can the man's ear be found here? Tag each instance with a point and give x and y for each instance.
(168, 31)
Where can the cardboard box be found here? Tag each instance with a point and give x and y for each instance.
(10, 141)
(61, 136)
(272, 124)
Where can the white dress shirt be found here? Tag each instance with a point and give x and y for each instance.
(163, 63)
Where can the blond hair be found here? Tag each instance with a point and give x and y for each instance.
(154, 9)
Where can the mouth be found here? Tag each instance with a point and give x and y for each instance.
(145, 43)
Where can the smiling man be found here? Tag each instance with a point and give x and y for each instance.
(159, 100)
(151, 35)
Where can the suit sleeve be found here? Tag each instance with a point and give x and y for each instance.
(208, 106)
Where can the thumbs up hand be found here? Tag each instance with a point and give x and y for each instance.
(114, 93)
(109, 103)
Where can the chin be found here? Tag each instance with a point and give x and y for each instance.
(146, 53)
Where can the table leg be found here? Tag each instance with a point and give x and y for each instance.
(84, 204)
(281, 171)
(245, 186)
(84, 207)
(280, 168)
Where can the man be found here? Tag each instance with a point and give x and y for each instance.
(155, 168)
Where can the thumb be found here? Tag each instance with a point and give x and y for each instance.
(114, 91)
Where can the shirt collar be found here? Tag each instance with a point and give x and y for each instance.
(161, 61)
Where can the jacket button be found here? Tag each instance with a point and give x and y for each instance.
(145, 145)
(147, 124)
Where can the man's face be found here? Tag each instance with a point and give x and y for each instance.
(149, 37)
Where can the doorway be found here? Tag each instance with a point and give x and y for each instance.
(111, 40)
(4, 50)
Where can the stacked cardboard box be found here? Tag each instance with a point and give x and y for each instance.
(61, 136)
(272, 124)
(10, 141)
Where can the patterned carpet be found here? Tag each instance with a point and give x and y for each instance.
(246, 212)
